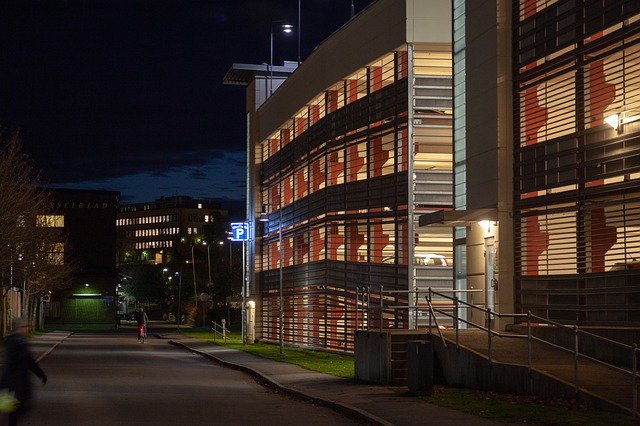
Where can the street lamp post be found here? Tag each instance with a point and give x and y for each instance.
(299, 30)
(208, 263)
(287, 29)
(281, 301)
(195, 290)
(179, 298)
(280, 281)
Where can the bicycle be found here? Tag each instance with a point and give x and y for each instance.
(142, 333)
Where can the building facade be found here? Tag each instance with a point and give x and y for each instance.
(576, 108)
(343, 158)
(547, 124)
(87, 219)
(160, 231)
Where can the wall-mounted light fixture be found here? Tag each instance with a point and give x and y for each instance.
(486, 225)
(613, 120)
(616, 121)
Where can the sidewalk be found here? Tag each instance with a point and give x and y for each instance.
(380, 405)
(41, 345)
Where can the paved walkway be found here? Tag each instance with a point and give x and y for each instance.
(372, 404)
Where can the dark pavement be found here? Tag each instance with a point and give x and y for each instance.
(374, 404)
(370, 404)
(107, 378)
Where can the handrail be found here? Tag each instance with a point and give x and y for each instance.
(574, 328)
(435, 320)
(215, 326)
(451, 310)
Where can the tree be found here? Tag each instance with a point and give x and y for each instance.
(27, 248)
(145, 283)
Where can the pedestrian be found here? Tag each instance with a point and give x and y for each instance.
(18, 362)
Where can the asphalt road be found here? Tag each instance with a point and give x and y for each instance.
(111, 379)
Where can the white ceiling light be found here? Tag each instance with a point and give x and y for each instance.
(613, 120)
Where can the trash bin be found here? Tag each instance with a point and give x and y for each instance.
(420, 367)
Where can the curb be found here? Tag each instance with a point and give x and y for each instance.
(48, 351)
(269, 382)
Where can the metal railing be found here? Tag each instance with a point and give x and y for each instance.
(489, 315)
(375, 307)
(530, 319)
(219, 329)
(382, 307)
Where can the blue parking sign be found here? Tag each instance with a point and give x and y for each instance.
(240, 231)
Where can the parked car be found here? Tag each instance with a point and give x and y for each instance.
(429, 259)
(626, 266)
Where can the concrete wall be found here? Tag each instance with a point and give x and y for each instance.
(465, 368)
(372, 357)
(589, 345)
(489, 149)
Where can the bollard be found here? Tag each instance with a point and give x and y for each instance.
(420, 359)
(224, 329)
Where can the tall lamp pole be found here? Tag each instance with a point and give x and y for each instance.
(264, 218)
(193, 263)
(287, 29)
(209, 265)
(179, 298)
(299, 30)
(281, 302)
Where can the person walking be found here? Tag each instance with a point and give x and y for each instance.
(18, 363)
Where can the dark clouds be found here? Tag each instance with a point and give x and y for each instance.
(102, 89)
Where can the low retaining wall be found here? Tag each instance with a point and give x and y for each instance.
(466, 368)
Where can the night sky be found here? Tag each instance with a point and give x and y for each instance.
(127, 95)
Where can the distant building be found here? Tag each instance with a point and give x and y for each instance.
(88, 220)
(160, 231)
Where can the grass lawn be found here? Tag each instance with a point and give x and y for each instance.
(324, 362)
(490, 405)
(524, 408)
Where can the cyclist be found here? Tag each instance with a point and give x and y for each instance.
(141, 319)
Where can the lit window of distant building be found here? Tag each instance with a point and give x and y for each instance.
(56, 255)
(50, 221)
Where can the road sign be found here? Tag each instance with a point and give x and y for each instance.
(239, 231)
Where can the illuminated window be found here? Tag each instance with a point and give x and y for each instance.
(56, 255)
(50, 221)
